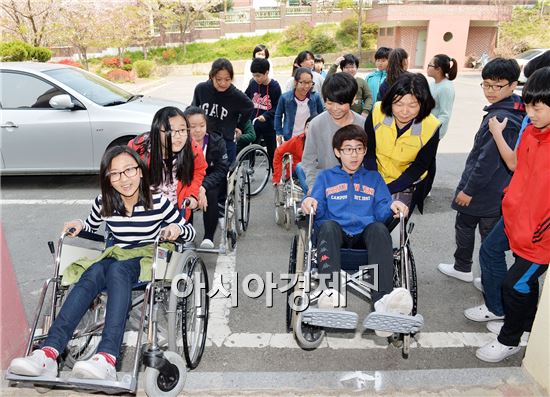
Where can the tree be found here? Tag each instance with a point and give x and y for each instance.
(183, 14)
(29, 20)
(81, 25)
(527, 29)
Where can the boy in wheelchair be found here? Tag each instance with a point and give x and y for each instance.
(134, 217)
(351, 205)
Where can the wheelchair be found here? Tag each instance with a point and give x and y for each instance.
(309, 324)
(171, 325)
(255, 160)
(288, 195)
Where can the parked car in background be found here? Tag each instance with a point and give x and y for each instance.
(60, 119)
(527, 56)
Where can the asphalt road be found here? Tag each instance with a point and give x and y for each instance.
(252, 337)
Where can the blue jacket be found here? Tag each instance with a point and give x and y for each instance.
(374, 80)
(287, 106)
(485, 174)
(353, 201)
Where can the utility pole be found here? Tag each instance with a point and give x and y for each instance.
(359, 25)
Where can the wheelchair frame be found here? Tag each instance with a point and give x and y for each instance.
(248, 157)
(288, 195)
(165, 370)
(308, 324)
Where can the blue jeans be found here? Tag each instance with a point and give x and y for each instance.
(231, 148)
(492, 260)
(300, 173)
(117, 277)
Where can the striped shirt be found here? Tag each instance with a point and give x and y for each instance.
(143, 225)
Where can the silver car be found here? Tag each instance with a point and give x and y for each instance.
(60, 119)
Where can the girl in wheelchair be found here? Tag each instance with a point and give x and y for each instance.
(134, 217)
(176, 163)
(351, 205)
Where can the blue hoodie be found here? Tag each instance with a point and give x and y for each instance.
(353, 201)
(374, 80)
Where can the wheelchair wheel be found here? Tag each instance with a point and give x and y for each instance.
(87, 334)
(166, 384)
(231, 222)
(278, 201)
(288, 218)
(188, 316)
(243, 191)
(291, 271)
(309, 337)
(256, 162)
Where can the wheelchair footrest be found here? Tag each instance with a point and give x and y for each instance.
(397, 323)
(330, 318)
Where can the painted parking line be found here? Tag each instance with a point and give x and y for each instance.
(45, 202)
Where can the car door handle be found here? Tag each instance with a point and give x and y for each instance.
(9, 125)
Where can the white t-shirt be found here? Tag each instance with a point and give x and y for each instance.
(302, 114)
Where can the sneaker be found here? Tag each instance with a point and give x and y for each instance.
(207, 244)
(96, 367)
(495, 352)
(449, 270)
(398, 301)
(496, 326)
(330, 299)
(477, 284)
(37, 364)
(481, 313)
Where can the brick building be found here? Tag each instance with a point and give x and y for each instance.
(458, 28)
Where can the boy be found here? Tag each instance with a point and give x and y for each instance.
(376, 78)
(479, 192)
(264, 93)
(338, 93)
(349, 63)
(350, 205)
(526, 222)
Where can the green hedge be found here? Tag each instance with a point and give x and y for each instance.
(16, 51)
(144, 68)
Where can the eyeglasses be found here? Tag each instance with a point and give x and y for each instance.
(129, 172)
(181, 132)
(493, 87)
(350, 150)
(306, 83)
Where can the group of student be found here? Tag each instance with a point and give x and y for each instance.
(358, 170)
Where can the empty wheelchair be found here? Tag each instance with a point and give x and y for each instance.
(288, 195)
(169, 315)
(309, 324)
(255, 160)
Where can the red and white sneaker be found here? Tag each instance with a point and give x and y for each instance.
(96, 367)
(37, 364)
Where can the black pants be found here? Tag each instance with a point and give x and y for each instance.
(520, 295)
(266, 132)
(213, 211)
(375, 238)
(465, 236)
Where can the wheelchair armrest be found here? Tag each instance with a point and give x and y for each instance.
(91, 236)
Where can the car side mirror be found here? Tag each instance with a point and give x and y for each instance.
(61, 102)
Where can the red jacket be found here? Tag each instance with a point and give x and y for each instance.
(526, 203)
(199, 171)
(294, 146)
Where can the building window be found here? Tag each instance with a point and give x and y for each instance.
(389, 31)
(448, 36)
(382, 32)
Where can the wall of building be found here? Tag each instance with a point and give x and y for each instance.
(481, 39)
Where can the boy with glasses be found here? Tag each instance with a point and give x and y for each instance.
(479, 192)
(351, 204)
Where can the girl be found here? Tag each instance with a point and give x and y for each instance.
(176, 164)
(403, 137)
(260, 51)
(305, 59)
(398, 63)
(226, 108)
(297, 105)
(134, 216)
(216, 173)
(443, 70)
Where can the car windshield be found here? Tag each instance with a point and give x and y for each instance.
(528, 55)
(92, 87)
